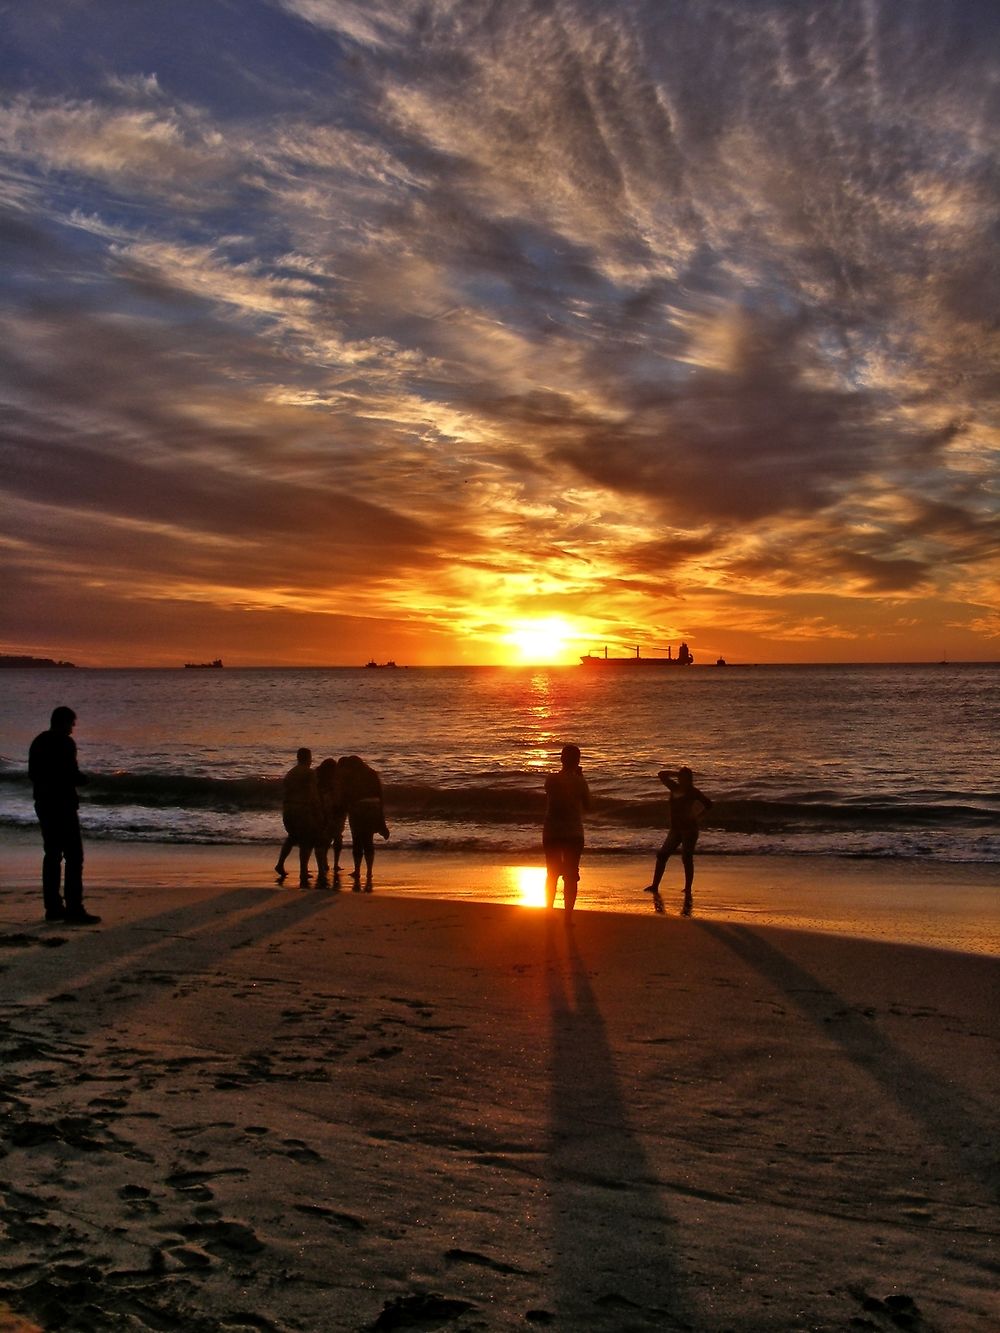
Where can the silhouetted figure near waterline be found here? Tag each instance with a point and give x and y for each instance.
(687, 805)
(567, 797)
(55, 777)
(332, 818)
(300, 815)
(361, 791)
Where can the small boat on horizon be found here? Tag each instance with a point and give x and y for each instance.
(380, 666)
(684, 658)
(214, 665)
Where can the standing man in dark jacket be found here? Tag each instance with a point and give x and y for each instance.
(55, 777)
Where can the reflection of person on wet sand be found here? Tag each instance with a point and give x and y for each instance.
(568, 796)
(300, 814)
(687, 805)
(361, 792)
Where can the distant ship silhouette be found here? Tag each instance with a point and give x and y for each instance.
(215, 664)
(684, 658)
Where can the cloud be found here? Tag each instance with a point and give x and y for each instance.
(540, 301)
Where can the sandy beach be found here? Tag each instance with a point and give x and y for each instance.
(240, 1108)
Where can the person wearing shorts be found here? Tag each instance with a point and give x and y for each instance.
(361, 793)
(687, 806)
(567, 797)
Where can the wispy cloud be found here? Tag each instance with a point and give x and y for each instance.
(474, 312)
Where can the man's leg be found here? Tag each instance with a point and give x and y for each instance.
(52, 853)
(670, 844)
(73, 859)
(687, 860)
(305, 850)
(571, 877)
(354, 823)
(286, 848)
(552, 869)
(338, 842)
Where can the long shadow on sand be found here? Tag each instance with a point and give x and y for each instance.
(948, 1115)
(170, 942)
(611, 1234)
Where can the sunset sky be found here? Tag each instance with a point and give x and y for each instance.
(473, 330)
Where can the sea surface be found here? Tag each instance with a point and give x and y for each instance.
(857, 761)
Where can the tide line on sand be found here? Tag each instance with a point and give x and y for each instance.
(940, 905)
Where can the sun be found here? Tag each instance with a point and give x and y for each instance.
(541, 642)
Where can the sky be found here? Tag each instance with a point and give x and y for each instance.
(473, 331)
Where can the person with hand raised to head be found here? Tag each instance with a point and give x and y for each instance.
(687, 806)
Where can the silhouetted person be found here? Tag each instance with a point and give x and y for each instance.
(687, 805)
(332, 818)
(300, 814)
(567, 797)
(361, 789)
(55, 777)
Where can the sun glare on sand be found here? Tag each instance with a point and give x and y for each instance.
(541, 642)
(527, 885)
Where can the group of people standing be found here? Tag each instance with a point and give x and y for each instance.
(318, 803)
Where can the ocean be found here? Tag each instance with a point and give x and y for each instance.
(853, 761)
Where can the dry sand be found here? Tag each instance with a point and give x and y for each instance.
(247, 1109)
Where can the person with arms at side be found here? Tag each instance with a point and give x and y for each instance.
(300, 813)
(362, 795)
(55, 777)
(567, 797)
(332, 818)
(687, 806)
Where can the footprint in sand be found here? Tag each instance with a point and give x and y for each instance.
(898, 1311)
(421, 1310)
(190, 1256)
(223, 1237)
(299, 1151)
(138, 1199)
(345, 1221)
(481, 1261)
(380, 1053)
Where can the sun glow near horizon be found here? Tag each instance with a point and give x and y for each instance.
(545, 642)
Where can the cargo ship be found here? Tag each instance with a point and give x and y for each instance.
(684, 658)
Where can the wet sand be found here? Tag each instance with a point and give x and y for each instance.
(944, 906)
(232, 1107)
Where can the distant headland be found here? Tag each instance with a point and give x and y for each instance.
(8, 660)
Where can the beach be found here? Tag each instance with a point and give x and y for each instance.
(236, 1106)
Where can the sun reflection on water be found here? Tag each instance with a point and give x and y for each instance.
(540, 712)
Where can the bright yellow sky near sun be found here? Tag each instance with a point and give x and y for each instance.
(547, 642)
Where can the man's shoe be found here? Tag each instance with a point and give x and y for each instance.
(55, 913)
(80, 917)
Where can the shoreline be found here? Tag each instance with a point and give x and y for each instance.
(934, 905)
(235, 1108)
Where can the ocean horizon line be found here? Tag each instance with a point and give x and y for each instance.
(496, 666)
